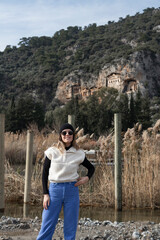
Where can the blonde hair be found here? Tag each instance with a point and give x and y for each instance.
(61, 146)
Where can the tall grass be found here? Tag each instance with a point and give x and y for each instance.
(15, 151)
(140, 172)
(141, 178)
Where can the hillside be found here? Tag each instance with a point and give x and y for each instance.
(39, 63)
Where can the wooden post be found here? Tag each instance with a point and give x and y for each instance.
(71, 120)
(28, 171)
(2, 130)
(25, 210)
(118, 216)
(118, 162)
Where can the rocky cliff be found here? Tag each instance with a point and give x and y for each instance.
(141, 71)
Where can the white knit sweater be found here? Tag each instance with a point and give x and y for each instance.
(64, 166)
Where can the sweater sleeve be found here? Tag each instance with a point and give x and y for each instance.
(45, 174)
(89, 166)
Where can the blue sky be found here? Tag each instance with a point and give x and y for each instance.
(28, 18)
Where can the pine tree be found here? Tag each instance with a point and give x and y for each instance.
(132, 115)
(123, 108)
(145, 117)
(93, 114)
(11, 117)
(138, 106)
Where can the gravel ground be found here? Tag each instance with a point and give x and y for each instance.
(27, 229)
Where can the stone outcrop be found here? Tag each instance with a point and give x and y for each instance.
(157, 28)
(141, 71)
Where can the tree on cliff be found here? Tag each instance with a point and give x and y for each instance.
(40, 63)
(23, 113)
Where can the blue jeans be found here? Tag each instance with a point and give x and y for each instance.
(66, 195)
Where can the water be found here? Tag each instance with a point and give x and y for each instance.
(94, 213)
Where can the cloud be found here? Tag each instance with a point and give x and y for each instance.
(30, 18)
(44, 17)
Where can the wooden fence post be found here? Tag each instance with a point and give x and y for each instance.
(118, 162)
(25, 210)
(71, 120)
(2, 155)
(28, 171)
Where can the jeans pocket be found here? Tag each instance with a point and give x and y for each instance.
(52, 186)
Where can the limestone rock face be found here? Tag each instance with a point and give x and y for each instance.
(141, 71)
(78, 84)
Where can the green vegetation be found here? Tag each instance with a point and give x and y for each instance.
(96, 114)
(24, 112)
(33, 70)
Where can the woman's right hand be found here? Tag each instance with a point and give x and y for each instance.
(46, 201)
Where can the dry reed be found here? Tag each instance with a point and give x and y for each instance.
(140, 173)
(141, 180)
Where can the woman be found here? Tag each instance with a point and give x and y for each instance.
(60, 167)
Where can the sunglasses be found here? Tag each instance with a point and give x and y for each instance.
(64, 133)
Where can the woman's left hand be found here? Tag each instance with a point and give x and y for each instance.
(81, 181)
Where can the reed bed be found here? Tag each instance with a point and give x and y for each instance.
(140, 172)
(141, 179)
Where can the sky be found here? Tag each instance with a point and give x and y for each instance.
(28, 18)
